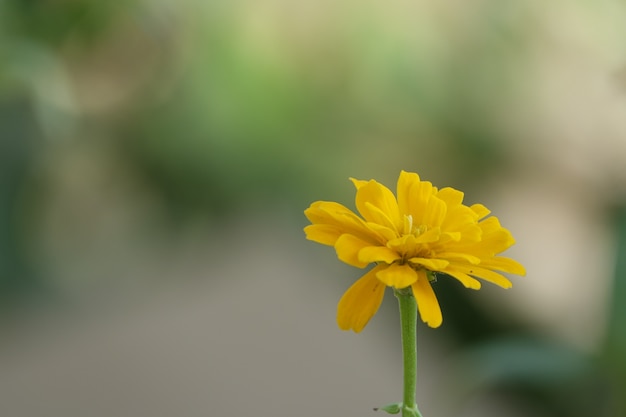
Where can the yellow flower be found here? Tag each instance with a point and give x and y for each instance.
(423, 231)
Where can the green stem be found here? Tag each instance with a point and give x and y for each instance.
(408, 322)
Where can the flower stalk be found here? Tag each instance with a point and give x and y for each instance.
(408, 323)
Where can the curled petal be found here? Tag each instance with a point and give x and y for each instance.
(360, 302)
(397, 276)
(427, 303)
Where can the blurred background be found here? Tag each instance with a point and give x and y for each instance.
(156, 158)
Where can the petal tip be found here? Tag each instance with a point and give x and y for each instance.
(433, 324)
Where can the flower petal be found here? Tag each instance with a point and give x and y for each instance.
(413, 196)
(451, 196)
(323, 211)
(397, 276)
(322, 233)
(458, 218)
(474, 260)
(502, 263)
(378, 254)
(466, 280)
(431, 264)
(385, 232)
(480, 210)
(348, 247)
(431, 235)
(342, 219)
(482, 273)
(407, 181)
(418, 205)
(495, 238)
(380, 216)
(360, 302)
(374, 199)
(435, 212)
(427, 303)
(358, 183)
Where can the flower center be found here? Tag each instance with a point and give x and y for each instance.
(410, 229)
(409, 245)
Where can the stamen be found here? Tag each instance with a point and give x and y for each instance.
(420, 229)
(408, 224)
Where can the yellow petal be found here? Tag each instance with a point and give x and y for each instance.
(504, 264)
(485, 274)
(413, 196)
(449, 236)
(435, 212)
(397, 276)
(495, 238)
(407, 181)
(322, 233)
(431, 235)
(427, 303)
(458, 218)
(404, 245)
(372, 199)
(378, 254)
(348, 247)
(451, 196)
(466, 280)
(385, 232)
(358, 183)
(418, 205)
(480, 210)
(343, 219)
(380, 217)
(431, 264)
(360, 302)
(323, 211)
(474, 260)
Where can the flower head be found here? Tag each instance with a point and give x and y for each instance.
(409, 238)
